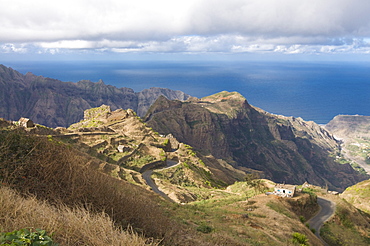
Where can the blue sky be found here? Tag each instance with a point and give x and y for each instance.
(112, 29)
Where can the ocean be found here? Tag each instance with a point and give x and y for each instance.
(315, 91)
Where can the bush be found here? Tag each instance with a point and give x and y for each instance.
(204, 228)
(26, 237)
(300, 239)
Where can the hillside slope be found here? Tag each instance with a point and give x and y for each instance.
(354, 132)
(60, 190)
(89, 174)
(359, 195)
(284, 149)
(53, 103)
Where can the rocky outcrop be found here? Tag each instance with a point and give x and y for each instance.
(354, 133)
(148, 96)
(350, 126)
(53, 103)
(285, 149)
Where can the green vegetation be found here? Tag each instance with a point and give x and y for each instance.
(204, 228)
(343, 215)
(310, 191)
(26, 237)
(166, 142)
(348, 227)
(138, 162)
(97, 112)
(353, 164)
(257, 184)
(299, 239)
(188, 147)
(94, 123)
(358, 195)
(278, 207)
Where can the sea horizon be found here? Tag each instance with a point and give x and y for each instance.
(313, 90)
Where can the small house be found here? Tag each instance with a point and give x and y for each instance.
(284, 190)
(26, 123)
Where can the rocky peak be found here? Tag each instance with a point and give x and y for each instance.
(100, 112)
(148, 96)
(285, 149)
(230, 103)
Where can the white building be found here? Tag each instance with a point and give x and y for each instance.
(284, 190)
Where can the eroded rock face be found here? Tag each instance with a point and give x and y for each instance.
(354, 133)
(148, 96)
(55, 103)
(286, 149)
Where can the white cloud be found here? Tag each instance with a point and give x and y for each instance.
(273, 18)
(285, 26)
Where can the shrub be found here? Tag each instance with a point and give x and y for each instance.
(26, 237)
(204, 228)
(300, 239)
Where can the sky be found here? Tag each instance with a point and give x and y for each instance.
(175, 27)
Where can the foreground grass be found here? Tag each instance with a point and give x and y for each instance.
(69, 226)
(61, 176)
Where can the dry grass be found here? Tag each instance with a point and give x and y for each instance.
(59, 174)
(69, 226)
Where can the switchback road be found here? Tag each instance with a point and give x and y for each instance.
(149, 181)
(327, 209)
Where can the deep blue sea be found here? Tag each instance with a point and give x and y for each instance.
(315, 91)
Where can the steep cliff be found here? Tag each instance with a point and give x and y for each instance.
(285, 149)
(354, 132)
(54, 103)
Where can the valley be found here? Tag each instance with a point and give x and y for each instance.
(189, 171)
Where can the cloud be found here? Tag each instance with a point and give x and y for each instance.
(272, 18)
(286, 26)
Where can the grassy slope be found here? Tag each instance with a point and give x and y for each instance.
(349, 226)
(58, 174)
(60, 179)
(237, 216)
(359, 195)
(69, 226)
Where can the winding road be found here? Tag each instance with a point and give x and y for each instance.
(149, 181)
(327, 209)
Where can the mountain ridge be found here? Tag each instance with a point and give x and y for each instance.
(53, 103)
(285, 149)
